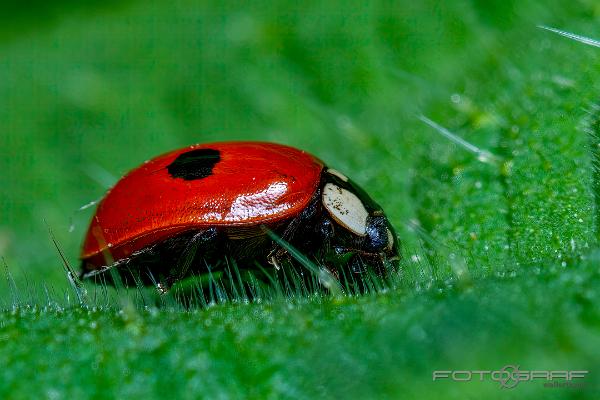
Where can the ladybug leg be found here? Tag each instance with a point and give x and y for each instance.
(199, 241)
(278, 257)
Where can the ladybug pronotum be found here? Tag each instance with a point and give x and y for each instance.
(177, 213)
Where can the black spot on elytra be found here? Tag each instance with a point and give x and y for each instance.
(194, 164)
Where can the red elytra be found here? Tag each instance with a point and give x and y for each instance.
(253, 183)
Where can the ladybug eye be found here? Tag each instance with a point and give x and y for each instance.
(379, 235)
(194, 164)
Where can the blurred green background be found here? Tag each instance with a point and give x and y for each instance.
(503, 268)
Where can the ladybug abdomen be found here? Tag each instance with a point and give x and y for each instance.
(211, 185)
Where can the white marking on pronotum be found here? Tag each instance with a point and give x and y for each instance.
(578, 38)
(346, 208)
(337, 173)
(482, 155)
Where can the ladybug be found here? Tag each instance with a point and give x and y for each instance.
(177, 214)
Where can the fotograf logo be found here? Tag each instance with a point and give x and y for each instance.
(510, 376)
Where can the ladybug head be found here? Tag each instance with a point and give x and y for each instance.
(357, 234)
